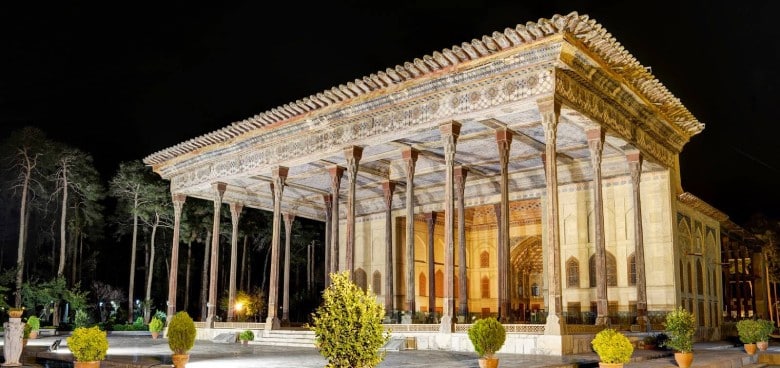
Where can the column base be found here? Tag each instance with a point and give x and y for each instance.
(446, 325)
(553, 325)
(272, 323)
(602, 321)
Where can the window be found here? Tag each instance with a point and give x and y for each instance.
(632, 269)
(485, 287)
(484, 259)
(572, 273)
(439, 284)
(376, 283)
(360, 279)
(422, 285)
(611, 270)
(535, 290)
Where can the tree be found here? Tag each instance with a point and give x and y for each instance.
(157, 211)
(348, 325)
(130, 186)
(23, 151)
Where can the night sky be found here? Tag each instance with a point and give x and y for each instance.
(123, 80)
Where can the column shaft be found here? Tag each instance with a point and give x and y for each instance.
(463, 302)
(178, 204)
(219, 191)
(449, 134)
(596, 144)
(352, 154)
(336, 172)
(635, 167)
(430, 220)
(328, 198)
(388, 187)
(410, 159)
(279, 177)
(288, 223)
(235, 213)
(504, 142)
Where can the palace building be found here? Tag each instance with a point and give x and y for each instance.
(531, 174)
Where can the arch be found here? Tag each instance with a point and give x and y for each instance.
(611, 270)
(535, 290)
(572, 273)
(684, 237)
(484, 287)
(438, 283)
(690, 278)
(699, 277)
(484, 259)
(632, 269)
(361, 279)
(376, 282)
(422, 284)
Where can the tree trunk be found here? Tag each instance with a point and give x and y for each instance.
(148, 300)
(22, 232)
(243, 264)
(63, 219)
(130, 300)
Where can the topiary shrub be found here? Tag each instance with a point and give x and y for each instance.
(766, 328)
(680, 326)
(612, 346)
(246, 335)
(34, 322)
(348, 325)
(181, 333)
(156, 325)
(749, 331)
(88, 344)
(488, 336)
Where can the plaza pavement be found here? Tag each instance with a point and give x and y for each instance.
(145, 352)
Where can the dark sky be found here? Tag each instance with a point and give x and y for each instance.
(122, 80)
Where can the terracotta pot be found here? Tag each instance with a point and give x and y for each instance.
(750, 348)
(762, 345)
(180, 360)
(684, 360)
(90, 364)
(488, 362)
(155, 335)
(34, 334)
(610, 365)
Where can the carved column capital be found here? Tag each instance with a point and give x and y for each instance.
(387, 188)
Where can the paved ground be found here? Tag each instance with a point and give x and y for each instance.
(144, 352)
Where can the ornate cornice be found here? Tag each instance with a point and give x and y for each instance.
(591, 34)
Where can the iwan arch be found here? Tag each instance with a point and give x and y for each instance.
(539, 164)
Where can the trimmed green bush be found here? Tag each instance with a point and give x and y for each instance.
(488, 336)
(246, 335)
(88, 344)
(749, 331)
(612, 346)
(680, 326)
(34, 322)
(348, 325)
(156, 325)
(181, 333)
(767, 327)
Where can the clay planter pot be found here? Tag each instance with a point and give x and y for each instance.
(180, 360)
(155, 335)
(488, 362)
(610, 365)
(684, 360)
(762, 345)
(90, 364)
(750, 348)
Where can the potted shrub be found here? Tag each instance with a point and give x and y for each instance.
(35, 324)
(155, 327)
(767, 327)
(488, 336)
(348, 326)
(649, 342)
(88, 345)
(680, 327)
(181, 338)
(749, 331)
(613, 348)
(245, 336)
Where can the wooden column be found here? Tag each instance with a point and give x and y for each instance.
(388, 187)
(635, 167)
(727, 276)
(279, 177)
(463, 302)
(410, 159)
(596, 145)
(219, 191)
(328, 198)
(353, 155)
(550, 111)
(235, 213)
(504, 142)
(430, 220)
(336, 172)
(178, 204)
(449, 136)
(288, 223)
